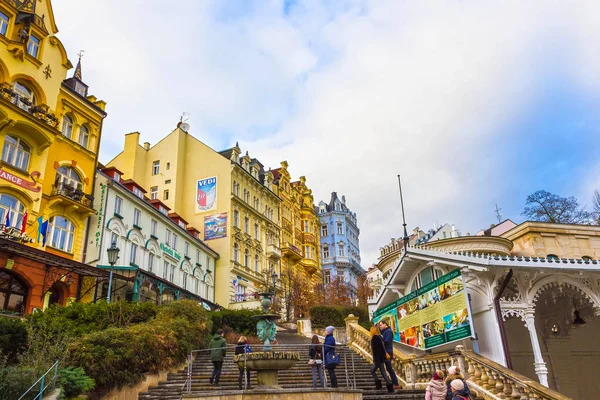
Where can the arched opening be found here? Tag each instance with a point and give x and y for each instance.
(69, 178)
(58, 294)
(13, 292)
(11, 211)
(149, 292)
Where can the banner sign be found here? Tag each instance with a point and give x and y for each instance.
(215, 226)
(435, 314)
(206, 194)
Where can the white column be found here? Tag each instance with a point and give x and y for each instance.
(538, 361)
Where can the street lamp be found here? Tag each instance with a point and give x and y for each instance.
(113, 256)
(274, 279)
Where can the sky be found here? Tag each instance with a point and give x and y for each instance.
(473, 103)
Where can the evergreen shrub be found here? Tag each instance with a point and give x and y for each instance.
(13, 338)
(323, 316)
(239, 320)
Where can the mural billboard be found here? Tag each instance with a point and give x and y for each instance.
(436, 314)
(215, 226)
(206, 194)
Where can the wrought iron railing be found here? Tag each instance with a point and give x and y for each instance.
(72, 193)
(39, 112)
(44, 383)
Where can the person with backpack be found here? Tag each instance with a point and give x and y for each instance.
(218, 350)
(243, 347)
(331, 359)
(315, 354)
(379, 357)
(436, 388)
(454, 374)
(458, 390)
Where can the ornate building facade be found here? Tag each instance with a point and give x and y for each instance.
(300, 236)
(50, 129)
(228, 196)
(340, 250)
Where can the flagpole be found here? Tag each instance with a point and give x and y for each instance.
(405, 238)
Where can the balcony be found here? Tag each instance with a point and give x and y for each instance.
(273, 252)
(291, 251)
(309, 265)
(309, 238)
(39, 112)
(74, 199)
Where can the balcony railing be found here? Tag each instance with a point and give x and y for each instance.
(73, 194)
(273, 251)
(39, 112)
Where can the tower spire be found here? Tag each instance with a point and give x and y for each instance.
(78, 67)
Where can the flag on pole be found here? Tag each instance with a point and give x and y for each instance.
(7, 221)
(42, 229)
(44, 232)
(24, 222)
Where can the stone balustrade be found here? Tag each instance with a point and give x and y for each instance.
(487, 378)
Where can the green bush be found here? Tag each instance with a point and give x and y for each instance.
(239, 320)
(15, 380)
(323, 316)
(13, 338)
(74, 382)
(117, 357)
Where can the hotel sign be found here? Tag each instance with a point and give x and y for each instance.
(31, 186)
(170, 252)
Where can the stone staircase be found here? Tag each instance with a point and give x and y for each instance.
(297, 377)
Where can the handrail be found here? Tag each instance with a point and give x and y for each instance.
(489, 379)
(43, 386)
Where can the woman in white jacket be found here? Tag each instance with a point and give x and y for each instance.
(436, 388)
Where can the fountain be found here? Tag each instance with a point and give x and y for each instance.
(267, 362)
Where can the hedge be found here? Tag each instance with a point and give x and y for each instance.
(239, 320)
(13, 338)
(323, 316)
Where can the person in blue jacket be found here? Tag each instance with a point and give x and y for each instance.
(329, 347)
(388, 341)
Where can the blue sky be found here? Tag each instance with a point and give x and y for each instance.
(473, 102)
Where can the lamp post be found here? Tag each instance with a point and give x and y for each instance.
(113, 256)
(274, 279)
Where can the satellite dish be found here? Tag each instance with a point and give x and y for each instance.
(185, 127)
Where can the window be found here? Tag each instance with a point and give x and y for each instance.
(240, 293)
(337, 206)
(325, 251)
(151, 262)
(341, 250)
(25, 97)
(67, 176)
(13, 293)
(426, 276)
(236, 252)
(118, 205)
(246, 258)
(246, 225)
(197, 256)
(340, 228)
(174, 242)
(247, 196)
(166, 195)
(185, 275)
(168, 237)
(324, 230)
(306, 226)
(67, 126)
(306, 251)
(168, 166)
(3, 29)
(155, 167)
(256, 263)
(326, 276)
(16, 152)
(256, 232)
(182, 224)
(84, 136)
(153, 226)
(207, 263)
(114, 238)
(61, 233)
(172, 275)
(154, 193)
(256, 203)
(33, 46)
(163, 210)
(133, 255)
(9, 204)
(186, 249)
(168, 181)
(236, 218)
(165, 269)
(137, 214)
(138, 192)
(117, 177)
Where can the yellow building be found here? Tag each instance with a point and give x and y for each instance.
(299, 226)
(50, 132)
(230, 198)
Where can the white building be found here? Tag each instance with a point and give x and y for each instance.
(161, 258)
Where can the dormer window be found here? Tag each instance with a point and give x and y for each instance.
(182, 224)
(163, 210)
(81, 89)
(3, 24)
(138, 192)
(117, 176)
(33, 46)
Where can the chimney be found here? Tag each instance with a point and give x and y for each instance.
(454, 233)
(146, 145)
(343, 199)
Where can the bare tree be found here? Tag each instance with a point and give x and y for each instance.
(363, 290)
(596, 206)
(543, 206)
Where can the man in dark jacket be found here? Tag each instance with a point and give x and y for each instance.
(388, 340)
(329, 347)
(218, 350)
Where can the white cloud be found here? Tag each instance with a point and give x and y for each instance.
(350, 96)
